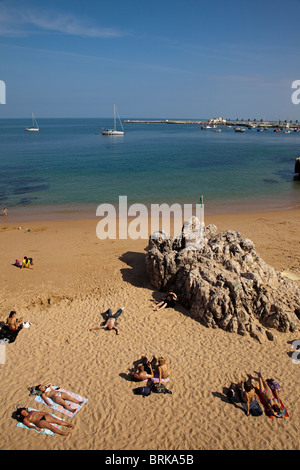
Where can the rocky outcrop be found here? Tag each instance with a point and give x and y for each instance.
(224, 282)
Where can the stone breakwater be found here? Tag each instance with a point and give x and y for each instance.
(224, 282)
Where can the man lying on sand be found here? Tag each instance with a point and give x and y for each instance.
(39, 419)
(111, 321)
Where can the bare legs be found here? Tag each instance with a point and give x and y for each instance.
(48, 422)
(60, 400)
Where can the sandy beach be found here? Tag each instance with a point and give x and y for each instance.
(76, 278)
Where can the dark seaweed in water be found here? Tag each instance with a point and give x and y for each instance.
(270, 181)
(30, 189)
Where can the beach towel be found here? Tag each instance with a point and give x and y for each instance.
(155, 378)
(285, 413)
(60, 408)
(46, 431)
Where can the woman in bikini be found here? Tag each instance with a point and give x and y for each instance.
(37, 419)
(59, 397)
(272, 403)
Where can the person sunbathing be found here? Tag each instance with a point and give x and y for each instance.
(161, 373)
(59, 397)
(167, 302)
(247, 394)
(141, 374)
(272, 402)
(111, 321)
(37, 419)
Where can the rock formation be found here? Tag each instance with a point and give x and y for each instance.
(224, 283)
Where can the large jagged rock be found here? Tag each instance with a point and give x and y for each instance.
(224, 282)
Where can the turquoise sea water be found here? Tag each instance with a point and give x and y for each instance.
(70, 166)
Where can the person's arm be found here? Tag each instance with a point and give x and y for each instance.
(98, 328)
(151, 372)
(28, 424)
(44, 397)
(117, 331)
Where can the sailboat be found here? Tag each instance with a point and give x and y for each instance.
(35, 126)
(114, 131)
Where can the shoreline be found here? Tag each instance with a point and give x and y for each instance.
(88, 211)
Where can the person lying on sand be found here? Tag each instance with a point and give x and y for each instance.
(111, 321)
(41, 420)
(167, 302)
(272, 403)
(59, 397)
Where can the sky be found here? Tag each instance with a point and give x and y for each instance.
(166, 59)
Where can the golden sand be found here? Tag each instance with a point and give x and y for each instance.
(76, 278)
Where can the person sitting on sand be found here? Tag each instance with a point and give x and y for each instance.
(167, 302)
(271, 402)
(59, 397)
(111, 321)
(13, 326)
(39, 419)
(247, 394)
(14, 323)
(27, 263)
(162, 374)
(141, 374)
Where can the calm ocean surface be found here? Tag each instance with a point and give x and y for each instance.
(69, 167)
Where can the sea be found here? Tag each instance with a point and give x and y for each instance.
(68, 168)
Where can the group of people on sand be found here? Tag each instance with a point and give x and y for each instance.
(38, 419)
(155, 370)
(268, 391)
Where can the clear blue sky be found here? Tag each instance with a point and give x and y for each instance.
(154, 59)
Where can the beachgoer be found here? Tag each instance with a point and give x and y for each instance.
(167, 302)
(111, 321)
(13, 326)
(59, 397)
(14, 323)
(272, 402)
(247, 394)
(27, 263)
(5, 211)
(163, 370)
(141, 374)
(39, 419)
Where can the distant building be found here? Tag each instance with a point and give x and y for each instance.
(218, 120)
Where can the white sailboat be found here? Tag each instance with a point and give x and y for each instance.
(114, 131)
(35, 126)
